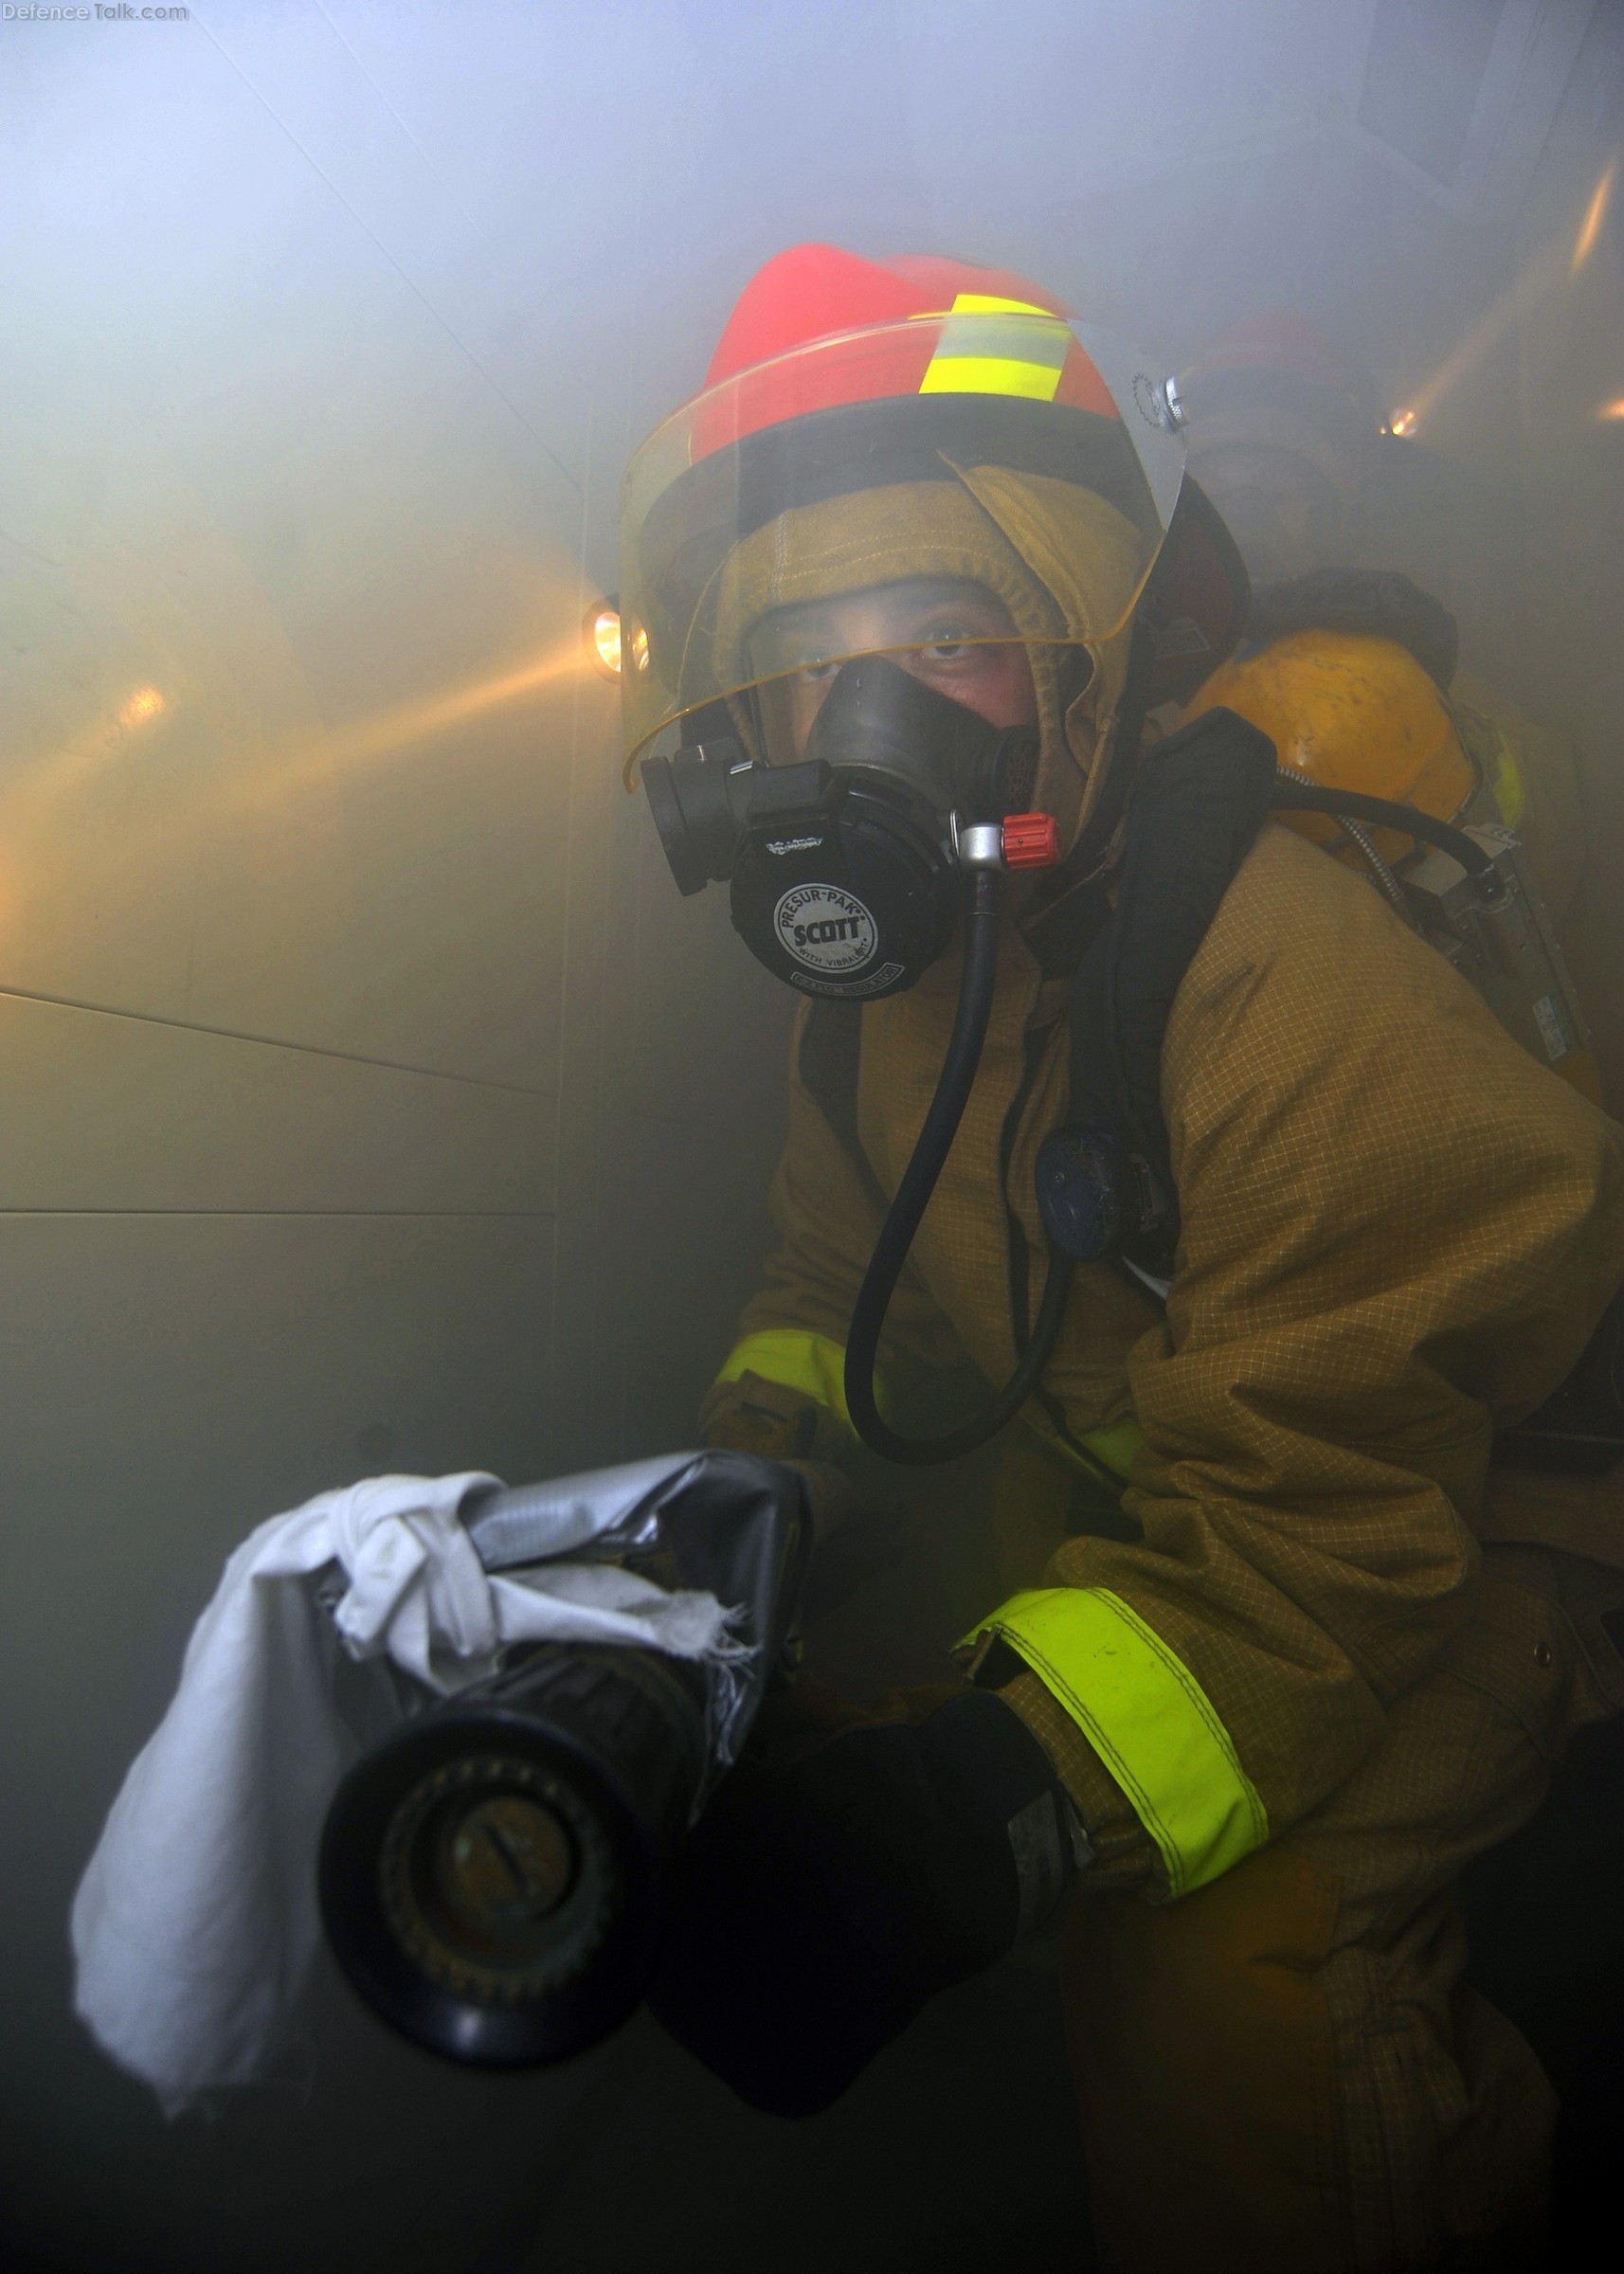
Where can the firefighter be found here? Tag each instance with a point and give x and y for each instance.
(1286, 1650)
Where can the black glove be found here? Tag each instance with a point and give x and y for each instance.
(830, 1889)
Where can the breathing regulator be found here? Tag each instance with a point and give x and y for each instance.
(845, 871)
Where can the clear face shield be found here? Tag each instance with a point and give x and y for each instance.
(859, 461)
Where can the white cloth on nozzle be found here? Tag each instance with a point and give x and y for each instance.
(195, 1923)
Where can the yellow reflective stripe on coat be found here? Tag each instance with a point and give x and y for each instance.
(978, 355)
(1115, 1445)
(1505, 780)
(797, 1359)
(1149, 1721)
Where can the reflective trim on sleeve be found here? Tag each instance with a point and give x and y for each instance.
(798, 1359)
(1149, 1721)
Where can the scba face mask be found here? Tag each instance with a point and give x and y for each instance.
(846, 867)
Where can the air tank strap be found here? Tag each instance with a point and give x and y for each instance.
(1198, 802)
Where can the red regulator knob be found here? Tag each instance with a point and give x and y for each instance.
(1031, 841)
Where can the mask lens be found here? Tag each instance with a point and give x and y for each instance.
(934, 618)
(949, 637)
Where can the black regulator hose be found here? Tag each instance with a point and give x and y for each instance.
(1293, 794)
(919, 1180)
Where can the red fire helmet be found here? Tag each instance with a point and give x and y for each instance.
(852, 402)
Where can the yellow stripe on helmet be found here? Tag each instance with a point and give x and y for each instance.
(979, 355)
(988, 304)
(988, 375)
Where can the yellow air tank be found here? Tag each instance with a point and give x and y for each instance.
(1349, 712)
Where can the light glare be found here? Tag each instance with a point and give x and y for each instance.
(1594, 214)
(146, 702)
(603, 638)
